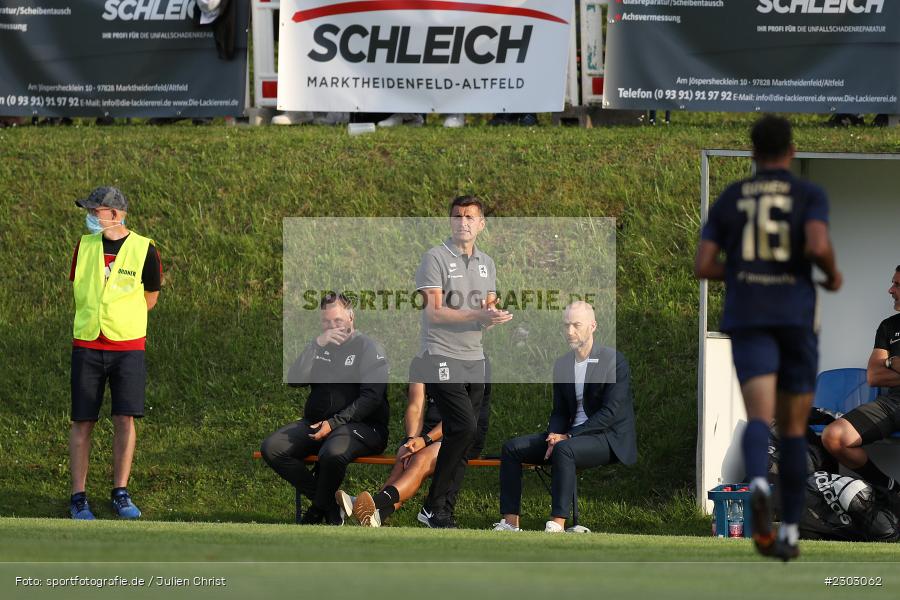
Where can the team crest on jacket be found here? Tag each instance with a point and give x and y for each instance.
(350, 359)
(482, 270)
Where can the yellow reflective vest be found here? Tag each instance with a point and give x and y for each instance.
(116, 306)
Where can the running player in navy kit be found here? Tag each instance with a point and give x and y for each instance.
(772, 228)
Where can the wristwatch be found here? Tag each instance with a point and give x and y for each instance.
(427, 438)
(889, 361)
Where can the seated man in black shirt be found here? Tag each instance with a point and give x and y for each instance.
(346, 414)
(875, 420)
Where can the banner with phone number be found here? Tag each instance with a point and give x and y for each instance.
(118, 58)
(819, 56)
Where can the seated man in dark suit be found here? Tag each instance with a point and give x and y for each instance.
(592, 423)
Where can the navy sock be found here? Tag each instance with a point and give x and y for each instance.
(792, 478)
(79, 496)
(117, 491)
(755, 445)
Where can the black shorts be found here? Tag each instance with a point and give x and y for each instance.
(875, 420)
(127, 377)
(418, 370)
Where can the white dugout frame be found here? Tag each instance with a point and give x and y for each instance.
(863, 191)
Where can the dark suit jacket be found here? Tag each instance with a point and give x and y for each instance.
(608, 406)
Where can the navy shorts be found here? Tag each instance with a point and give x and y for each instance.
(125, 372)
(792, 353)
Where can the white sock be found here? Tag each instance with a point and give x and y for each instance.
(760, 483)
(789, 532)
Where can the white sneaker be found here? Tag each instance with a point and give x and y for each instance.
(365, 512)
(455, 121)
(345, 503)
(504, 526)
(292, 117)
(411, 119)
(553, 527)
(577, 529)
(332, 118)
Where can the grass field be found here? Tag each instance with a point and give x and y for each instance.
(265, 560)
(214, 198)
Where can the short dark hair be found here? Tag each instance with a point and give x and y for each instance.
(467, 201)
(898, 268)
(771, 137)
(335, 298)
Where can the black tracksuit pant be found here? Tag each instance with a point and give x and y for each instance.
(285, 450)
(459, 402)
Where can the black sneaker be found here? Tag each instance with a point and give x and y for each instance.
(313, 516)
(527, 120)
(785, 551)
(500, 119)
(761, 521)
(845, 120)
(889, 494)
(334, 516)
(435, 520)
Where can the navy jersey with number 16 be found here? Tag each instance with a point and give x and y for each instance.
(760, 224)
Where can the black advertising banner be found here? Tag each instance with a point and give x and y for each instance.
(821, 56)
(121, 58)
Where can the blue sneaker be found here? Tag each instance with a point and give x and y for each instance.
(123, 506)
(79, 509)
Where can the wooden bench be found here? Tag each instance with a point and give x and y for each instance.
(390, 460)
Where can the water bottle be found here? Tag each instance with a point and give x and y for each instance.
(715, 514)
(735, 519)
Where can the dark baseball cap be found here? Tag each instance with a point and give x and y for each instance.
(107, 196)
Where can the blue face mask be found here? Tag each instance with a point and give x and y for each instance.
(92, 222)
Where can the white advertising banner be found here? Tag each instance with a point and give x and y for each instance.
(416, 56)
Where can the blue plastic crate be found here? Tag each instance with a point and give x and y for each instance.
(720, 500)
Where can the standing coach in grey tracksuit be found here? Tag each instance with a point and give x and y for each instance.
(592, 422)
(458, 284)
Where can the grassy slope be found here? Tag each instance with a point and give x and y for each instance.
(214, 199)
(342, 562)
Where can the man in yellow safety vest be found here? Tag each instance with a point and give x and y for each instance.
(116, 276)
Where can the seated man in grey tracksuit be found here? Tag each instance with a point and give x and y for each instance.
(592, 423)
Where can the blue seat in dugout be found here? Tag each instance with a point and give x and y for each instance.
(842, 390)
